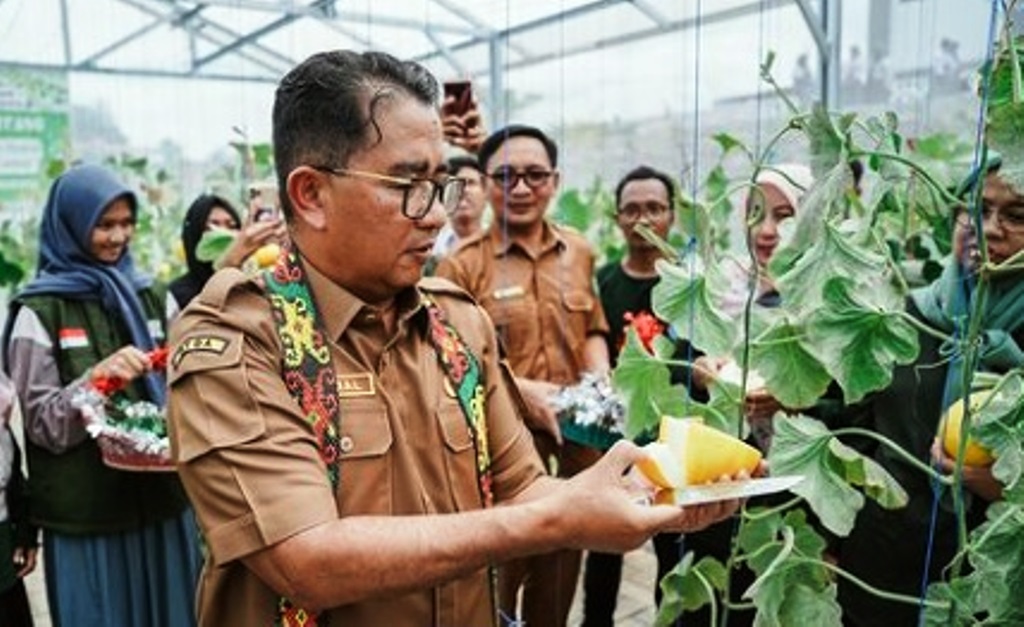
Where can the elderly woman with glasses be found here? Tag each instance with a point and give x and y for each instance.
(901, 550)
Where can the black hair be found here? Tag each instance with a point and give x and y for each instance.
(325, 108)
(458, 162)
(499, 137)
(643, 173)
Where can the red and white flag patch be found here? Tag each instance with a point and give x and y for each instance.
(73, 338)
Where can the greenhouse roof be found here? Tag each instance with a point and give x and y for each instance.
(259, 40)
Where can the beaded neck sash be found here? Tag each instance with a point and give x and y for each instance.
(309, 375)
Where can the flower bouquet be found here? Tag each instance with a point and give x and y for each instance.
(590, 412)
(132, 435)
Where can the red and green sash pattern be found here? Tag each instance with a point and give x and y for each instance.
(309, 375)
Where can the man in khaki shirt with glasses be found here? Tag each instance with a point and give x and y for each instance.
(318, 414)
(536, 280)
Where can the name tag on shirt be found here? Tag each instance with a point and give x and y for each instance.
(353, 385)
(505, 293)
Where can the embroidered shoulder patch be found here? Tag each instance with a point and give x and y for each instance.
(199, 343)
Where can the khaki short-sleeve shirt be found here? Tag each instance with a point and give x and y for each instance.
(543, 301)
(250, 462)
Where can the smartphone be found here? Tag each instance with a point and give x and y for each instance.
(263, 199)
(462, 92)
(265, 214)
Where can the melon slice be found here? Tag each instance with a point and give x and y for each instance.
(688, 452)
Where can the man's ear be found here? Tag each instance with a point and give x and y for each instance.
(556, 178)
(309, 195)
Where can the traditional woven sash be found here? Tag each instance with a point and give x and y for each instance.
(309, 375)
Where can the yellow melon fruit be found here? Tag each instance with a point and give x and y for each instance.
(660, 465)
(688, 452)
(266, 255)
(949, 433)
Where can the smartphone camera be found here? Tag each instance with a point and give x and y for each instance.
(265, 214)
(462, 93)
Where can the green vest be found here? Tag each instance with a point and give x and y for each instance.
(74, 492)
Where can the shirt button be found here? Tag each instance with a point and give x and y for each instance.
(346, 444)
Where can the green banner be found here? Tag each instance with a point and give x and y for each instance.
(34, 131)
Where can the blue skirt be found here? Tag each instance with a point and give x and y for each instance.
(144, 578)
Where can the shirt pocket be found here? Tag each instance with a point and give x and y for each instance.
(459, 456)
(211, 406)
(515, 322)
(578, 306)
(366, 462)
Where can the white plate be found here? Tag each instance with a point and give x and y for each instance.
(729, 490)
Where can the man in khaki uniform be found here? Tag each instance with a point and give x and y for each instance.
(377, 516)
(536, 280)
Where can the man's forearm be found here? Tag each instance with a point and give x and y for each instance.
(595, 354)
(356, 558)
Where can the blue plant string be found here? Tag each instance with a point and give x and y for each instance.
(963, 297)
(691, 246)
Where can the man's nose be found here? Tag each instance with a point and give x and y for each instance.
(519, 182)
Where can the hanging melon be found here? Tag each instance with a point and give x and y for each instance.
(949, 433)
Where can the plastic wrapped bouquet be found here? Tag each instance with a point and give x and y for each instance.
(132, 435)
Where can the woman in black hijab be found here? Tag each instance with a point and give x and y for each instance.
(207, 212)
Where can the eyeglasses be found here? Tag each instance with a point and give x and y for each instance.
(650, 211)
(418, 193)
(1010, 218)
(509, 178)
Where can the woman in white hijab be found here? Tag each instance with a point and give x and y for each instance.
(774, 198)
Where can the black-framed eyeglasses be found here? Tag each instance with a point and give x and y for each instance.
(650, 211)
(1010, 218)
(418, 192)
(508, 177)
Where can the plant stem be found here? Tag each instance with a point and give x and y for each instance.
(771, 510)
(739, 606)
(730, 564)
(907, 457)
(924, 328)
(710, 590)
(882, 594)
(891, 262)
(764, 548)
(663, 247)
(943, 192)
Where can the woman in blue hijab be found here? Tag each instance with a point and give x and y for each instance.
(120, 547)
